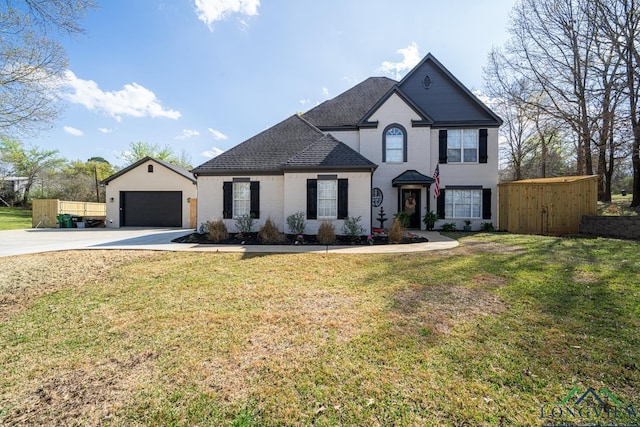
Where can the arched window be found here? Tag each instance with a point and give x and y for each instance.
(394, 144)
(150, 168)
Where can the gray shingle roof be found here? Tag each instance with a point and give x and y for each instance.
(329, 152)
(293, 142)
(346, 109)
(177, 169)
(412, 176)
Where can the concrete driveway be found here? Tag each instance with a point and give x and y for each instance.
(18, 242)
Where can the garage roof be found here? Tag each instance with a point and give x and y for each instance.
(177, 169)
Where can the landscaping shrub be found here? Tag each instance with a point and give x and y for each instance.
(449, 226)
(216, 230)
(326, 233)
(396, 231)
(430, 219)
(269, 233)
(296, 223)
(352, 227)
(244, 224)
(487, 226)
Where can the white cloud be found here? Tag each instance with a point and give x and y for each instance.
(105, 130)
(217, 135)
(132, 100)
(73, 131)
(210, 11)
(305, 101)
(214, 152)
(410, 58)
(325, 92)
(187, 133)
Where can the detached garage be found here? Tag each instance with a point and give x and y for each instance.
(150, 193)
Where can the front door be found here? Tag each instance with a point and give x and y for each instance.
(411, 205)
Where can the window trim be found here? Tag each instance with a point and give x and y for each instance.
(404, 143)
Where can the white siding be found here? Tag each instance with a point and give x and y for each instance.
(359, 203)
(395, 110)
(139, 179)
(271, 196)
(484, 174)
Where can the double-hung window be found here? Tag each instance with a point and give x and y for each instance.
(462, 145)
(463, 203)
(327, 199)
(241, 199)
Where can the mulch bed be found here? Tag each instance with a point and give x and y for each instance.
(292, 239)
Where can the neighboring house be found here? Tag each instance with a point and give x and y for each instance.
(16, 184)
(150, 193)
(376, 145)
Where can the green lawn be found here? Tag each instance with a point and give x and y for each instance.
(14, 218)
(490, 333)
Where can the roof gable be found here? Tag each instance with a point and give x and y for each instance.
(348, 108)
(443, 97)
(174, 168)
(425, 119)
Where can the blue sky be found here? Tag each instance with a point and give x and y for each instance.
(204, 75)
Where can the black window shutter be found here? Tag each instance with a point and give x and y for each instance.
(482, 145)
(384, 147)
(440, 207)
(254, 186)
(486, 203)
(343, 198)
(312, 199)
(442, 146)
(404, 147)
(227, 200)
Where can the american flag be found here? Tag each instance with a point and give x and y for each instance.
(436, 177)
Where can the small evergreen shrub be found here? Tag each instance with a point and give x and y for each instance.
(449, 226)
(396, 231)
(244, 224)
(216, 230)
(352, 227)
(296, 223)
(269, 233)
(487, 226)
(326, 233)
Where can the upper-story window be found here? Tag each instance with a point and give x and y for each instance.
(150, 168)
(394, 148)
(462, 145)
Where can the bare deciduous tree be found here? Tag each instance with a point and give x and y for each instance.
(32, 61)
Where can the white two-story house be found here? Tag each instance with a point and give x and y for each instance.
(375, 146)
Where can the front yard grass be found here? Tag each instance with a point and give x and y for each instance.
(14, 218)
(484, 334)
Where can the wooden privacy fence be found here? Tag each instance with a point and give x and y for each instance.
(45, 211)
(547, 205)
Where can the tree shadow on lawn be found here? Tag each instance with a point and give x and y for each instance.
(558, 311)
